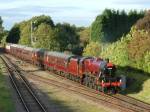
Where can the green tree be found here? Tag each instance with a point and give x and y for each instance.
(117, 51)
(46, 37)
(1, 29)
(146, 65)
(21, 32)
(14, 34)
(37, 20)
(92, 49)
(111, 25)
(84, 36)
(67, 36)
(25, 35)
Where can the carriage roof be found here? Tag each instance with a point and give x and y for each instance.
(17, 46)
(58, 54)
(28, 48)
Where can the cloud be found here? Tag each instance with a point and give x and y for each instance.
(79, 12)
(131, 2)
(27, 10)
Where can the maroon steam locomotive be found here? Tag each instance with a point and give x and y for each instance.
(93, 72)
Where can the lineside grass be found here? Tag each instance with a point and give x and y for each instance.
(6, 104)
(73, 103)
(139, 85)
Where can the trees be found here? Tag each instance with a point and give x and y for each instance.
(25, 38)
(67, 36)
(139, 47)
(92, 49)
(25, 28)
(21, 32)
(144, 23)
(37, 20)
(131, 50)
(117, 51)
(84, 36)
(14, 34)
(46, 37)
(1, 29)
(58, 37)
(111, 25)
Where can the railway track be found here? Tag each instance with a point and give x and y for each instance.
(133, 101)
(123, 103)
(28, 98)
(119, 102)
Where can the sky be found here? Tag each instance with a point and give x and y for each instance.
(78, 12)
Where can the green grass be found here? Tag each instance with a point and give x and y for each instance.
(64, 101)
(67, 103)
(139, 87)
(6, 104)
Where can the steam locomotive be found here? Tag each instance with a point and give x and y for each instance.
(93, 72)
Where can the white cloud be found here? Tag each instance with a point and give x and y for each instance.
(73, 11)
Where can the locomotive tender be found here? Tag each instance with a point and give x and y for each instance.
(93, 72)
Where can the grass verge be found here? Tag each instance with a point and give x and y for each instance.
(138, 85)
(6, 104)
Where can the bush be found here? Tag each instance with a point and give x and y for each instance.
(146, 63)
(117, 52)
(92, 49)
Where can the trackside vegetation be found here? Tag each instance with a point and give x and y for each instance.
(131, 54)
(131, 50)
(111, 25)
(45, 34)
(6, 104)
(123, 37)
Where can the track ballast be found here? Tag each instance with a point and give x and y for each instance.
(25, 92)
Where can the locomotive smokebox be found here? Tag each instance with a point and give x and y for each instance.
(123, 80)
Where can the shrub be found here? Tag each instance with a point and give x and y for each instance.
(92, 49)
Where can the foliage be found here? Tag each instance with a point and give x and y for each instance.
(45, 36)
(1, 21)
(139, 45)
(117, 52)
(111, 25)
(21, 32)
(131, 50)
(84, 36)
(59, 38)
(146, 62)
(92, 49)
(67, 36)
(37, 20)
(138, 50)
(25, 28)
(1, 27)
(14, 34)
(2, 32)
(25, 36)
(77, 50)
(3, 41)
(144, 23)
